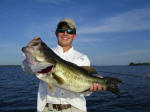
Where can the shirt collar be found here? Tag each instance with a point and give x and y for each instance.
(60, 49)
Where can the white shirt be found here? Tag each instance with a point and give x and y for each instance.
(61, 96)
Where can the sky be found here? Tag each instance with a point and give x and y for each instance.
(109, 32)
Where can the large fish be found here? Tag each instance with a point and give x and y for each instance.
(53, 70)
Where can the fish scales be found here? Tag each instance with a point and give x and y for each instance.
(55, 71)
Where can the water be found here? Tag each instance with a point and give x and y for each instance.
(18, 90)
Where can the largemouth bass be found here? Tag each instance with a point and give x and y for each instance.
(55, 71)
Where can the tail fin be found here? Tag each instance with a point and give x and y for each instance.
(112, 84)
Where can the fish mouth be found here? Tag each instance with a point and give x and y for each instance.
(30, 59)
(46, 70)
(36, 66)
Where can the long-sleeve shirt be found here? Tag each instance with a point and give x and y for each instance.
(61, 96)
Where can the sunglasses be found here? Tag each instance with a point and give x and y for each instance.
(69, 31)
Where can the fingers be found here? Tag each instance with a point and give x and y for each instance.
(91, 88)
(94, 87)
(97, 87)
(99, 76)
(104, 88)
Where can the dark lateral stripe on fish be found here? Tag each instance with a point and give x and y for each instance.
(46, 70)
(64, 74)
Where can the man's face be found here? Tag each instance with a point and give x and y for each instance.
(65, 39)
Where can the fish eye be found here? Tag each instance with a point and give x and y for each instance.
(34, 44)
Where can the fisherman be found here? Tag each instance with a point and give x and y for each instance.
(63, 100)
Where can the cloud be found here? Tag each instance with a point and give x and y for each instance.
(89, 39)
(138, 19)
(123, 58)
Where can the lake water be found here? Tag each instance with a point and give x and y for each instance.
(18, 90)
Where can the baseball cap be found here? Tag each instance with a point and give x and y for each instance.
(68, 21)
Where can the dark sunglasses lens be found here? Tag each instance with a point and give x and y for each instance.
(61, 30)
(69, 31)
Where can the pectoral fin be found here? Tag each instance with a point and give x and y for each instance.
(89, 69)
(58, 79)
(51, 87)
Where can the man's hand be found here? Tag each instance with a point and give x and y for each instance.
(97, 87)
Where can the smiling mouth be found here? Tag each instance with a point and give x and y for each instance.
(65, 38)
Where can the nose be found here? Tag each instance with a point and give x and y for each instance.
(65, 33)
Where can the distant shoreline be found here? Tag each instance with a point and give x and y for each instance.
(131, 64)
(138, 64)
(9, 65)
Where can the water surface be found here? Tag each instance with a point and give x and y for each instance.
(18, 90)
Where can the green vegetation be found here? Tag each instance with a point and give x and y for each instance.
(136, 64)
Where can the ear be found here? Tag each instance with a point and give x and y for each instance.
(74, 36)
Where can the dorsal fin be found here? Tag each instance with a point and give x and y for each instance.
(89, 69)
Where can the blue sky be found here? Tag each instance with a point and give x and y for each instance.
(110, 32)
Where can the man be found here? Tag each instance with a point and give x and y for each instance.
(63, 100)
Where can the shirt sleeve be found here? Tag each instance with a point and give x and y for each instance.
(82, 61)
(41, 97)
